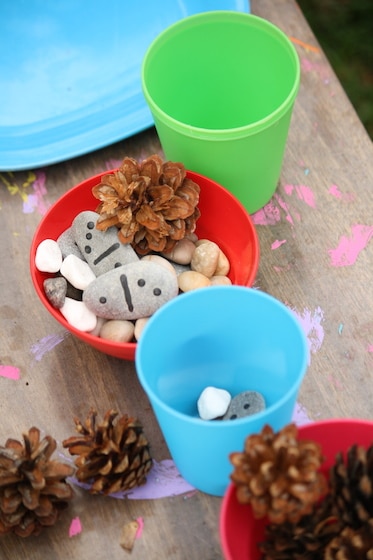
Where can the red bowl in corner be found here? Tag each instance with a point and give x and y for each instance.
(240, 532)
(223, 220)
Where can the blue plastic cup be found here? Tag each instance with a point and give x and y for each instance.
(229, 337)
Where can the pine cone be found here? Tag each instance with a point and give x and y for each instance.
(278, 474)
(153, 204)
(304, 540)
(351, 483)
(33, 489)
(113, 456)
(352, 544)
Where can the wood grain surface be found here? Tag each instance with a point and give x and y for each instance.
(316, 256)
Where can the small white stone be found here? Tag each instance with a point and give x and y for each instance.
(48, 256)
(98, 327)
(213, 402)
(77, 272)
(78, 315)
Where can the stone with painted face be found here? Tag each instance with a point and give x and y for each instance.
(131, 291)
(101, 249)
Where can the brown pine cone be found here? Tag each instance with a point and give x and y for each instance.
(352, 544)
(279, 474)
(33, 488)
(153, 204)
(113, 456)
(304, 540)
(351, 483)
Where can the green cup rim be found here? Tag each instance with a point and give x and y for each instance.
(227, 133)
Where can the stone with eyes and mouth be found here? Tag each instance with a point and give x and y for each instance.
(101, 249)
(131, 291)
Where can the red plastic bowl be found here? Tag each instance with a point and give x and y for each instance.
(240, 532)
(223, 220)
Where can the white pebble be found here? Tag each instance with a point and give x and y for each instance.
(48, 256)
(98, 327)
(78, 315)
(77, 272)
(117, 331)
(213, 402)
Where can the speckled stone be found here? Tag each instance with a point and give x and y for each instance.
(245, 404)
(55, 289)
(131, 291)
(101, 249)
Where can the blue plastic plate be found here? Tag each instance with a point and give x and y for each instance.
(70, 73)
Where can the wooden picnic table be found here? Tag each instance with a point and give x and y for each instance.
(316, 257)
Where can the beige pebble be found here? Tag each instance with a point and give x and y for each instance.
(182, 252)
(117, 331)
(223, 266)
(139, 326)
(201, 242)
(157, 259)
(220, 280)
(191, 280)
(205, 258)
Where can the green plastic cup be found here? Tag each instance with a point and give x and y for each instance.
(221, 88)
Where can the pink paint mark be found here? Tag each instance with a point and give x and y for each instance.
(349, 248)
(10, 372)
(75, 527)
(47, 344)
(303, 193)
(276, 244)
(282, 268)
(311, 323)
(300, 416)
(335, 382)
(370, 348)
(334, 191)
(163, 481)
(320, 69)
(35, 201)
(286, 209)
(269, 215)
(140, 528)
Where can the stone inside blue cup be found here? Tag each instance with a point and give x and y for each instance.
(229, 337)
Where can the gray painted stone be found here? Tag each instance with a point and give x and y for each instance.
(245, 404)
(66, 243)
(101, 249)
(131, 291)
